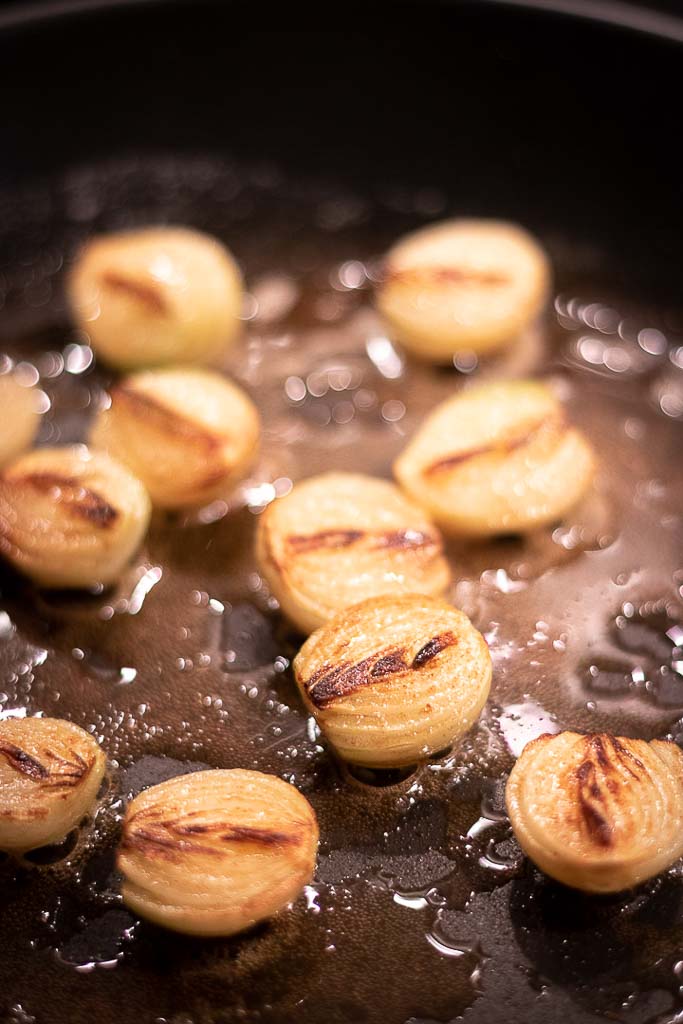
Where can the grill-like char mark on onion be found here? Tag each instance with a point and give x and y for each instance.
(268, 837)
(169, 839)
(144, 292)
(23, 762)
(78, 499)
(502, 447)
(394, 539)
(436, 276)
(234, 833)
(324, 539)
(153, 842)
(329, 684)
(605, 755)
(388, 664)
(591, 803)
(407, 540)
(170, 421)
(432, 648)
(628, 760)
(64, 775)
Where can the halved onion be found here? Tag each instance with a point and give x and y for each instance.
(463, 285)
(394, 679)
(70, 517)
(188, 434)
(157, 295)
(341, 537)
(497, 458)
(598, 812)
(214, 852)
(20, 418)
(50, 772)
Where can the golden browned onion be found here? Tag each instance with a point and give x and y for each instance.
(157, 295)
(341, 537)
(50, 772)
(394, 679)
(598, 812)
(214, 852)
(463, 285)
(20, 418)
(497, 458)
(188, 434)
(70, 517)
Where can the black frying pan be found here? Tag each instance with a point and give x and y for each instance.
(305, 140)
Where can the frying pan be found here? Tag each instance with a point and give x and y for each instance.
(306, 142)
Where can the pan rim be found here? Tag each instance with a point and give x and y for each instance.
(618, 14)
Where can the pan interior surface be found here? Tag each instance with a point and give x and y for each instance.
(309, 153)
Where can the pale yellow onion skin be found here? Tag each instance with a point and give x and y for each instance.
(599, 813)
(187, 433)
(214, 852)
(463, 285)
(339, 538)
(20, 418)
(50, 772)
(70, 517)
(497, 458)
(394, 679)
(156, 295)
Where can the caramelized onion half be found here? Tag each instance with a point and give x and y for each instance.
(598, 812)
(497, 458)
(70, 517)
(339, 538)
(157, 295)
(50, 772)
(188, 434)
(463, 285)
(214, 852)
(394, 679)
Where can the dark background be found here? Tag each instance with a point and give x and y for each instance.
(567, 126)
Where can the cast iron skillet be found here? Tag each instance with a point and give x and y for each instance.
(306, 142)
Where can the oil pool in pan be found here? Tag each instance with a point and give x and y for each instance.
(423, 906)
